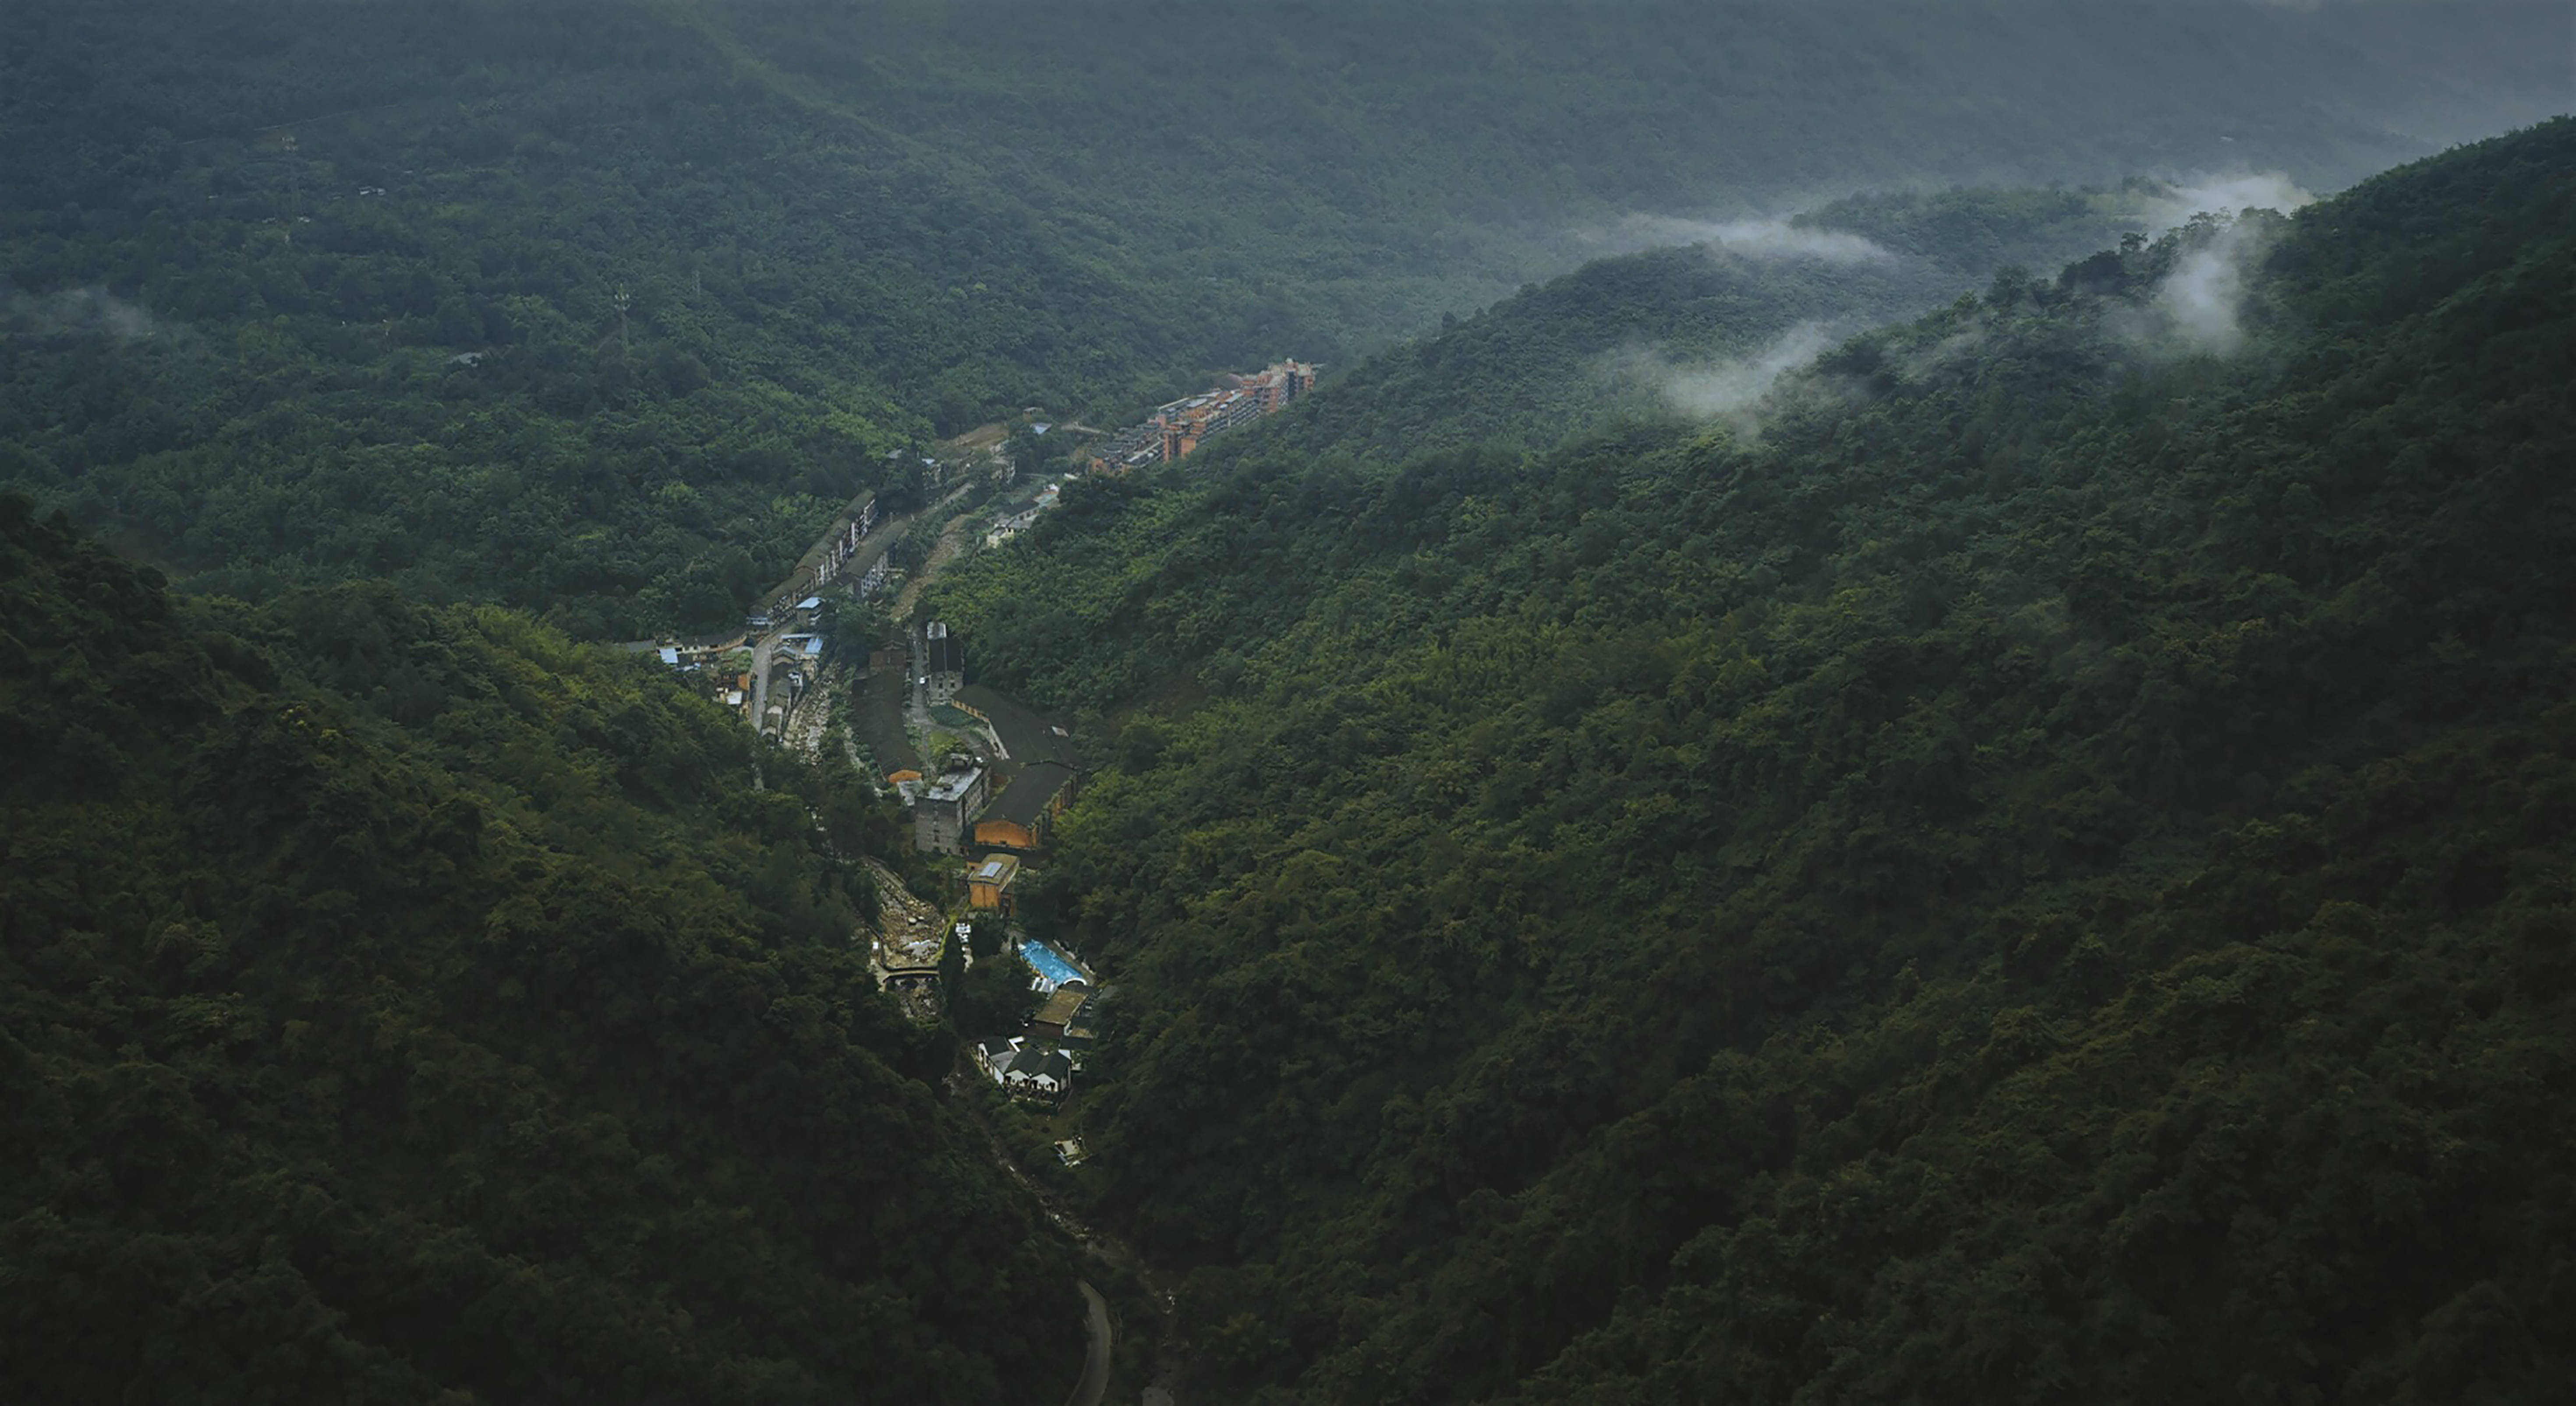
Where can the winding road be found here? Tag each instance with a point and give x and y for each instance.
(1172, 1355)
(1095, 1362)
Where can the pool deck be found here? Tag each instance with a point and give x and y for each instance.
(1056, 966)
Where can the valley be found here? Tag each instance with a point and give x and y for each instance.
(1618, 702)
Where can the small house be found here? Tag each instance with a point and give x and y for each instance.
(988, 883)
(1063, 1006)
(994, 1056)
(1039, 1077)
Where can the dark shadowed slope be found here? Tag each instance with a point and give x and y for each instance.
(411, 1005)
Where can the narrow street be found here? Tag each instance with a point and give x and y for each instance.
(875, 545)
(951, 541)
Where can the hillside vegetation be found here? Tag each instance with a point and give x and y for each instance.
(2035, 863)
(1620, 339)
(407, 1005)
(600, 308)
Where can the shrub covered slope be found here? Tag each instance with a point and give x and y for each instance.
(406, 1005)
(2040, 868)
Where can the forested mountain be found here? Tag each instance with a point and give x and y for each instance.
(599, 307)
(2033, 863)
(2029, 855)
(405, 1005)
(1636, 337)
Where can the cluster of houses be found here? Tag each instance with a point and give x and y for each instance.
(1038, 1065)
(974, 807)
(1026, 1069)
(721, 664)
(997, 807)
(837, 548)
(726, 663)
(1006, 526)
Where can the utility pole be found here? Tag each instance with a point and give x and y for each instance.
(625, 348)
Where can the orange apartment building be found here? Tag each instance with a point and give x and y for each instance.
(1179, 427)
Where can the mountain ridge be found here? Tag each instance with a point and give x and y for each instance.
(1992, 881)
(602, 309)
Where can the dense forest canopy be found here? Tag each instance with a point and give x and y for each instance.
(1658, 333)
(2032, 863)
(600, 308)
(410, 1005)
(1897, 729)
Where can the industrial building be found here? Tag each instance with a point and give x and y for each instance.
(1025, 811)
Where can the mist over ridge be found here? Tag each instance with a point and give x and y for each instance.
(2194, 308)
(874, 225)
(703, 702)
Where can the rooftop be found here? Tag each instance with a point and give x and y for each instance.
(945, 654)
(1029, 794)
(1028, 737)
(1061, 1007)
(955, 784)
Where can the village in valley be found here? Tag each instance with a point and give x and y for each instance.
(838, 660)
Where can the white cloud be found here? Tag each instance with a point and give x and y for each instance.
(2198, 306)
(2199, 299)
(1751, 239)
(1720, 387)
(77, 311)
(2229, 195)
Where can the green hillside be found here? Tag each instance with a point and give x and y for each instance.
(407, 1005)
(600, 307)
(1611, 340)
(2035, 864)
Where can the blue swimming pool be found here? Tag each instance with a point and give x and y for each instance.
(1052, 967)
